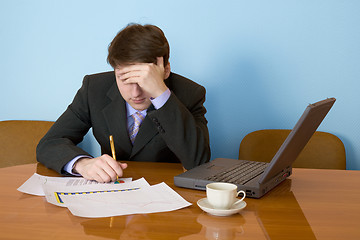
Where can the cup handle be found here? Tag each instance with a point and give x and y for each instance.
(244, 194)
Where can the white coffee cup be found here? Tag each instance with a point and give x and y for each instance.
(223, 195)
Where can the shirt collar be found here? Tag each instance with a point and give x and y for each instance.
(130, 110)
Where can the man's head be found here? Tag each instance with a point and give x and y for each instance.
(135, 46)
(138, 44)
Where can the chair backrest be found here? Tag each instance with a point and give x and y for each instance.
(18, 141)
(323, 151)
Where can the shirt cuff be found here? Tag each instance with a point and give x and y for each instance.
(70, 165)
(161, 100)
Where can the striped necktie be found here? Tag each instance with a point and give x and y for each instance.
(138, 118)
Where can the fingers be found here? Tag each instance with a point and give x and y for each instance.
(133, 70)
(141, 69)
(137, 73)
(123, 165)
(107, 170)
(148, 76)
(140, 66)
(113, 166)
(101, 169)
(134, 76)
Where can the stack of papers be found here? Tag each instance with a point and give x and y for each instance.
(91, 199)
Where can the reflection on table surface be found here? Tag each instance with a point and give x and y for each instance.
(302, 207)
(259, 222)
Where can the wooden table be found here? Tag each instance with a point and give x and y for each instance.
(311, 204)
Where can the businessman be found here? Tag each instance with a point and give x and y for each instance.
(153, 114)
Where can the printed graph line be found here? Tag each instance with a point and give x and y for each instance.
(59, 194)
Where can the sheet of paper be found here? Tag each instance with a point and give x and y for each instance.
(91, 199)
(34, 185)
(134, 200)
(54, 192)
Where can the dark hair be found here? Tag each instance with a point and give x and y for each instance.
(138, 43)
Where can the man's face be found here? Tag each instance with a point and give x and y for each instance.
(132, 93)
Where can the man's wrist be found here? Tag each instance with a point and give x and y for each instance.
(162, 99)
(70, 166)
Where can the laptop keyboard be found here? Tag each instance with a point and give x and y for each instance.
(240, 173)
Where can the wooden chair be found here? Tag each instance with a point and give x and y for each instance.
(18, 141)
(323, 151)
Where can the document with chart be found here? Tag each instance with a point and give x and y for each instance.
(89, 199)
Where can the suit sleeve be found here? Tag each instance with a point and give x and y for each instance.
(58, 146)
(183, 126)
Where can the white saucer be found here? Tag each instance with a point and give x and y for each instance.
(205, 206)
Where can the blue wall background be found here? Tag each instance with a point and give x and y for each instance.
(261, 61)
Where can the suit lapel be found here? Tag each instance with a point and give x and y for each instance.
(116, 119)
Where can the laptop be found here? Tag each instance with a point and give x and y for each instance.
(258, 178)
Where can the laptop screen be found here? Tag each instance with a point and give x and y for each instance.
(298, 138)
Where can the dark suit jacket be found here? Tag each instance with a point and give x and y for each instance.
(177, 132)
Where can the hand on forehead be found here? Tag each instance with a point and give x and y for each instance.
(140, 66)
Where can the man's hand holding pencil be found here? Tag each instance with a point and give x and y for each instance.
(101, 169)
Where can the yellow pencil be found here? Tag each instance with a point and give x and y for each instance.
(113, 150)
(117, 177)
(112, 146)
